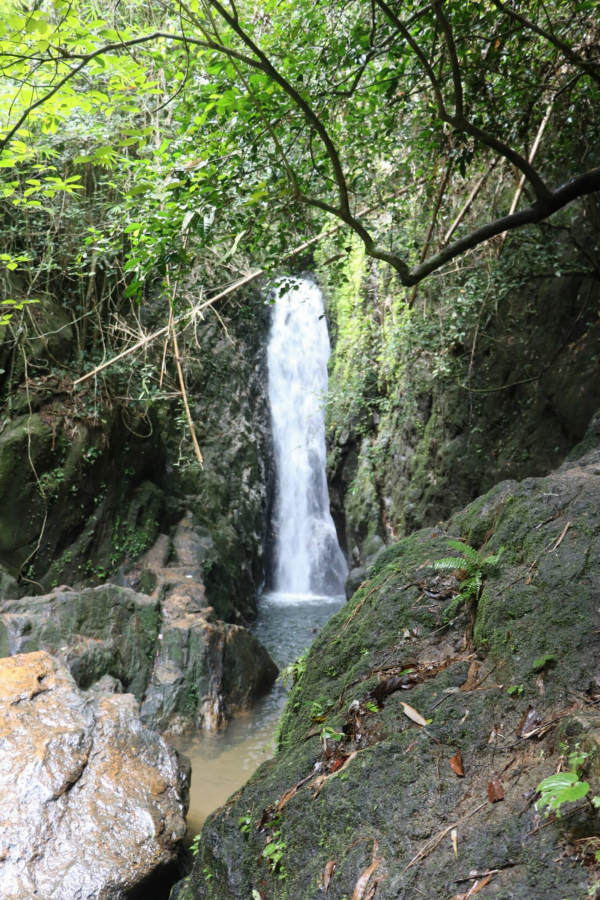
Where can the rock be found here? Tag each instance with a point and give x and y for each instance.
(512, 405)
(26, 447)
(356, 576)
(96, 631)
(93, 803)
(380, 801)
(204, 669)
(184, 666)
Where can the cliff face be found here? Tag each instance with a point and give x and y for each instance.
(492, 375)
(421, 723)
(90, 475)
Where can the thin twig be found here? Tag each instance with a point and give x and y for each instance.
(433, 842)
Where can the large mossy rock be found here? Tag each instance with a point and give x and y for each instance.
(76, 498)
(92, 802)
(162, 642)
(373, 809)
(96, 631)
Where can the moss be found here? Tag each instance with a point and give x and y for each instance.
(399, 791)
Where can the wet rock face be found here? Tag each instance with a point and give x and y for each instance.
(161, 641)
(519, 396)
(92, 802)
(204, 669)
(509, 681)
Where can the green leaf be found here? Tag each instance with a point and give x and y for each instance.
(565, 787)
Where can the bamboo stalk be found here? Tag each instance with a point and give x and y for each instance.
(521, 184)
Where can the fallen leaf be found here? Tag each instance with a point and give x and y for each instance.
(363, 881)
(287, 796)
(328, 874)
(270, 813)
(413, 714)
(562, 537)
(456, 764)
(320, 780)
(474, 889)
(495, 790)
(472, 677)
(478, 886)
(454, 839)
(529, 723)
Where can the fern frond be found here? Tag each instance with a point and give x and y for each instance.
(450, 562)
(493, 559)
(470, 553)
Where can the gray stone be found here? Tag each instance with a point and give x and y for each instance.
(93, 803)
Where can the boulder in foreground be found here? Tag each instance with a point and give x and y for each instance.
(92, 802)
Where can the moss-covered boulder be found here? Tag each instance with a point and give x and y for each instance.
(96, 631)
(419, 727)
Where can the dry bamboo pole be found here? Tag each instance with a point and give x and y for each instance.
(521, 184)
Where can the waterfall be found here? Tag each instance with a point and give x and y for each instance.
(308, 559)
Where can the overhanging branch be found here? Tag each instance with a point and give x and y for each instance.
(577, 187)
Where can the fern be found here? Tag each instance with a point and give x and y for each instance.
(470, 553)
(474, 565)
(449, 563)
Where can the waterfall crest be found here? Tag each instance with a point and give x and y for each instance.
(308, 557)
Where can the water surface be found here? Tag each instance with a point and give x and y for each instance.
(222, 763)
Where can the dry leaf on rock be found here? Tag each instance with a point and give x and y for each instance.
(529, 723)
(495, 790)
(456, 764)
(454, 839)
(363, 881)
(320, 780)
(472, 677)
(413, 714)
(328, 874)
(474, 889)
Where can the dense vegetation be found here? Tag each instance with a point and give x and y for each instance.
(208, 130)
(154, 154)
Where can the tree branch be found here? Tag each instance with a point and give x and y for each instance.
(580, 186)
(454, 64)
(109, 48)
(590, 67)
(459, 120)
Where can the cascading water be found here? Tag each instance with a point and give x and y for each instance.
(310, 568)
(308, 557)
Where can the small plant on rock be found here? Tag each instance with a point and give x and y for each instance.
(565, 787)
(472, 568)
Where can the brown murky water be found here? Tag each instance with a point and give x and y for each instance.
(221, 763)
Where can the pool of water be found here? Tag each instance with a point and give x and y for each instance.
(221, 763)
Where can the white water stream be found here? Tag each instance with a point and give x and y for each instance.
(309, 567)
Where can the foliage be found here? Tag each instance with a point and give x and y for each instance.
(564, 787)
(218, 138)
(274, 853)
(473, 567)
(292, 673)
